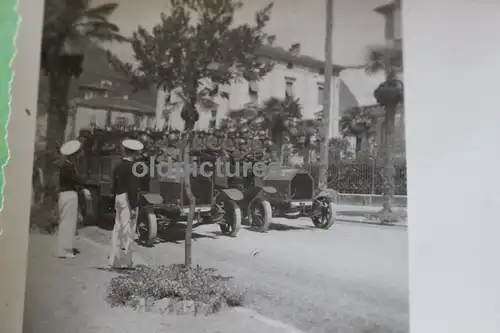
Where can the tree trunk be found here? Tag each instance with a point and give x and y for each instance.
(189, 122)
(388, 186)
(306, 156)
(57, 119)
(365, 143)
(192, 202)
(279, 149)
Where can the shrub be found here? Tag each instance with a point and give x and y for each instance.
(175, 282)
(44, 217)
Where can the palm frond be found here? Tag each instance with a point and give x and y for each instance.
(102, 11)
(385, 58)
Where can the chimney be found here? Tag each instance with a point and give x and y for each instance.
(295, 49)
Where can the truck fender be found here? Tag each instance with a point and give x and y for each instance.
(269, 189)
(328, 193)
(233, 194)
(152, 198)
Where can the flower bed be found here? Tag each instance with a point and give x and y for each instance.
(174, 287)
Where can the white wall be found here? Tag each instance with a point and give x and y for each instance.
(84, 116)
(272, 85)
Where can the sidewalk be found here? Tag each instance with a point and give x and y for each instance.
(366, 214)
(68, 296)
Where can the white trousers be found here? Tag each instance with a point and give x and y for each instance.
(68, 212)
(123, 235)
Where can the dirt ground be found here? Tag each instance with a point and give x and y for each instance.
(68, 296)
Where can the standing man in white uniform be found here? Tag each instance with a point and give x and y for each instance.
(126, 191)
(69, 185)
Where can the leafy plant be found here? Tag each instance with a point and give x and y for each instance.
(279, 120)
(175, 282)
(359, 123)
(68, 28)
(193, 53)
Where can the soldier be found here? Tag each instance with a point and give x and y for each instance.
(69, 185)
(126, 191)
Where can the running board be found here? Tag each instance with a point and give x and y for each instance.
(301, 203)
(199, 209)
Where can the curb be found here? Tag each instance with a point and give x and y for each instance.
(268, 321)
(392, 225)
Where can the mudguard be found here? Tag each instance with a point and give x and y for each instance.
(233, 194)
(251, 193)
(269, 189)
(328, 193)
(152, 198)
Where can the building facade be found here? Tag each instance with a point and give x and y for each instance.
(101, 106)
(110, 101)
(393, 28)
(294, 75)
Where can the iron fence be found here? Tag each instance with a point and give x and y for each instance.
(354, 177)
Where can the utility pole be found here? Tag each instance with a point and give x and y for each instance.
(327, 97)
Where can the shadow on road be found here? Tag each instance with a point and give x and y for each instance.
(121, 271)
(177, 234)
(280, 227)
(105, 222)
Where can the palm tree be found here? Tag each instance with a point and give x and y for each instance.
(359, 123)
(389, 94)
(301, 136)
(69, 28)
(278, 119)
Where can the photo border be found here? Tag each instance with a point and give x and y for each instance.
(454, 278)
(17, 174)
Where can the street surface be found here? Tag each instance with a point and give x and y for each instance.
(352, 278)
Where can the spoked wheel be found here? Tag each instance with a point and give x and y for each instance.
(147, 225)
(323, 213)
(230, 223)
(260, 214)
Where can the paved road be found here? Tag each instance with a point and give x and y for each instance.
(350, 279)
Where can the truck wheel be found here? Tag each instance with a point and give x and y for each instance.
(323, 213)
(260, 214)
(231, 222)
(147, 225)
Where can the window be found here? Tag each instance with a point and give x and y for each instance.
(137, 121)
(289, 89)
(93, 120)
(151, 122)
(389, 26)
(321, 92)
(253, 91)
(121, 121)
(397, 25)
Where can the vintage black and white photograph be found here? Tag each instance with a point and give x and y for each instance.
(219, 166)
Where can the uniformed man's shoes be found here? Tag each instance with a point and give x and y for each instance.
(66, 256)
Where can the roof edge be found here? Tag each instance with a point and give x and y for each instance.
(385, 9)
